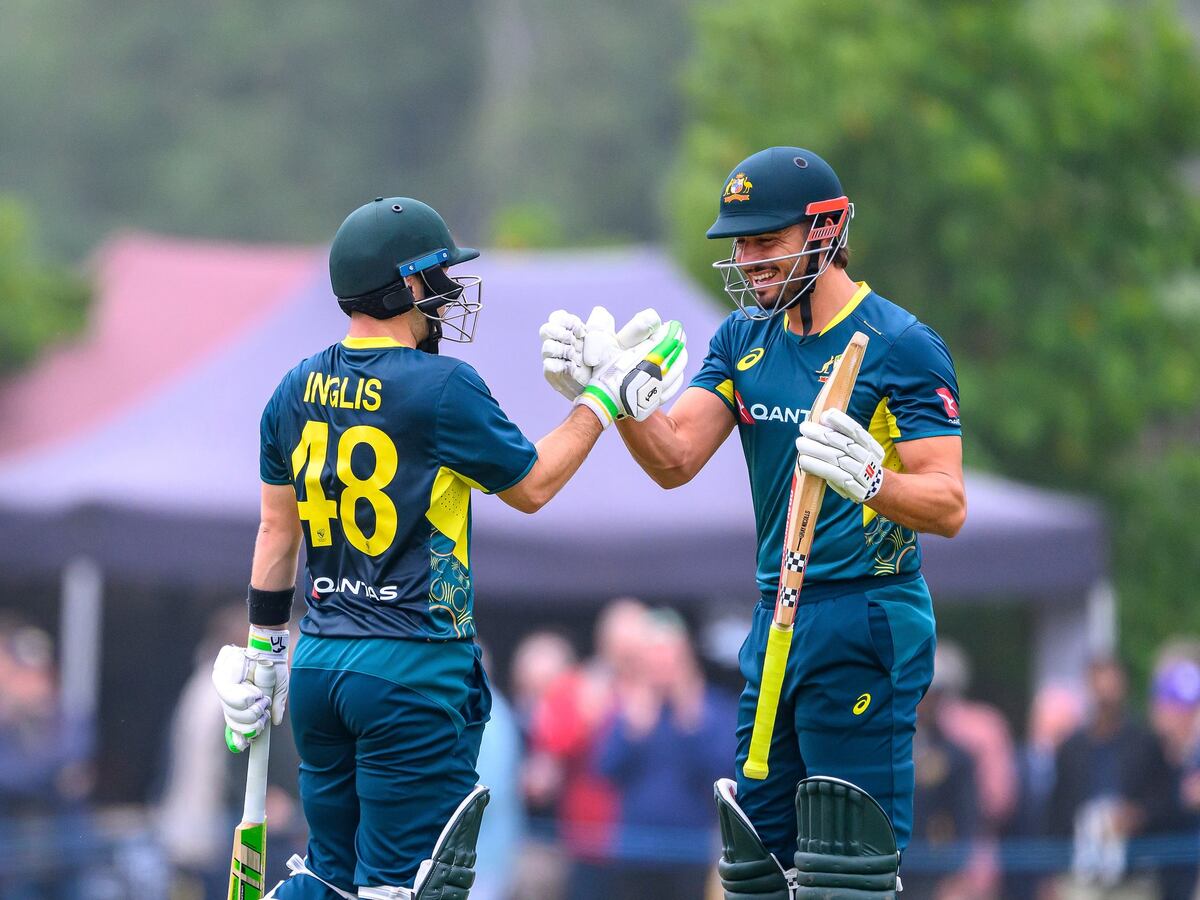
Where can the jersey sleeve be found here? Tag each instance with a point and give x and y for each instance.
(716, 373)
(921, 386)
(272, 464)
(476, 439)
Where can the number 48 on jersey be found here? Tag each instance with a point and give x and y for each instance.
(319, 510)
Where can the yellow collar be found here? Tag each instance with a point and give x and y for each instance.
(863, 290)
(371, 343)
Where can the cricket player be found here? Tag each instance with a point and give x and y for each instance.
(369, 452)
(862, 651)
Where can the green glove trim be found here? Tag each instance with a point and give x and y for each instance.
(667, 350)
(257, 643)
(604, 400)
(231, 744)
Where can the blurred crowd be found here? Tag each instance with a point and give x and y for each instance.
(602, 767)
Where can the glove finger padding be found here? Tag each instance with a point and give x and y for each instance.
(562, 353)
(272, 677)
(243, 704)
(639, 328)
(556, 344)
(842, 423)
(600, 338)
(833, 475)
(809, 446)
(567, 320)
(843, 453)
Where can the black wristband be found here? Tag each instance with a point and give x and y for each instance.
(270, 609)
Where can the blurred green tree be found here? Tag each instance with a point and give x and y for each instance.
(42, 303)
(245, 121)
(1021, 182)
(261, 121)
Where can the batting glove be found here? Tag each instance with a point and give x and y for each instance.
(252, 683)
(637, 381)
(562, 353)
(842, 452)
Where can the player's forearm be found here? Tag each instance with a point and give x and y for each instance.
(276, 552)
(657, 446)
(931, 502)
(560, 454)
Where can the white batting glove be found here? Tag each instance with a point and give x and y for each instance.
(562, 353)
(842, 452)
(638, 380)
(602, 341)
(252, 683)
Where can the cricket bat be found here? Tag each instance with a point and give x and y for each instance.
(804, 505)
(248, 869)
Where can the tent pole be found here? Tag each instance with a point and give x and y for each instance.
(1102, 618)
(80, 621)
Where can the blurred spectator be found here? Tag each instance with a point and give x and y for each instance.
(45, 767)
(946, 812)
(205, 785)
(1174, 716)
(981, 730)
(564, 731)
(539, 661)
(1056, 712)
(1111, 784)
(499, 768)
(670, 737)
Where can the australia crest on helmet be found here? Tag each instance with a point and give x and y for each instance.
(738, 188)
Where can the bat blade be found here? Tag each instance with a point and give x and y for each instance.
(247, 870)
(804, 505)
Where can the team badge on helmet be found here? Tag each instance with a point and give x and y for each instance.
(738, 188)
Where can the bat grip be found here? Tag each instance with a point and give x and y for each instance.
(255, 807)
(779, 643)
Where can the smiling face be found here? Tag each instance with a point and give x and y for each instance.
(769, 260)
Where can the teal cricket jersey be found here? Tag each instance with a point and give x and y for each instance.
(383, 444)
(769, 376)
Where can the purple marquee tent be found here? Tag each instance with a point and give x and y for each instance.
(161, 482)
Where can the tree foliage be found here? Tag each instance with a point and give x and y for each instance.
(270, 120)
(1019, 176)
(41, 303)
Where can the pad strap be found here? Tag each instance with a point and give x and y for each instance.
(299, 866)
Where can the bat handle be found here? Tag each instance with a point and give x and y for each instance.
(255, 808)
(779, 642)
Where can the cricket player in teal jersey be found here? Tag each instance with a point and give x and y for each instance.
(369, 453)
(862, 651)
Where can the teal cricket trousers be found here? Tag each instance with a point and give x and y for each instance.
(861, 660)
(382, 769)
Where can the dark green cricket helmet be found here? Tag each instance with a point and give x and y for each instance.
(381, 243)
(769, 191)
(383, 238)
